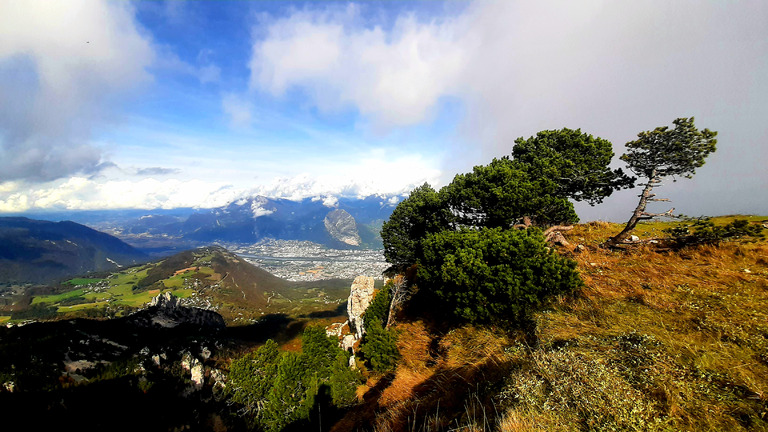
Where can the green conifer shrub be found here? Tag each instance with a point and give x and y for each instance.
(277, 389)
(378, 309)
(379, 347)
(292, 394)
(704, 231)
(251, 377)
(494, 274)
(343, 381)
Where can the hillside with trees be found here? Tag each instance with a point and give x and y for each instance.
(36, 251)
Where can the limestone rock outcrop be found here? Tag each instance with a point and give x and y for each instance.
(342, 227)
(191, 364)
(166, 311)
(360, 296)
(348, 342)
(165, 300)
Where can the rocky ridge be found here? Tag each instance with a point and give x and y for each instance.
(165, 311)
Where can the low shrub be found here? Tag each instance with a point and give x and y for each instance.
(494, 274)
(704, 231)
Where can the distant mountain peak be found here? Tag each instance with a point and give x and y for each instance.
(342, 227)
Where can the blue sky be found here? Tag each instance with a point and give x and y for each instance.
(167, 104)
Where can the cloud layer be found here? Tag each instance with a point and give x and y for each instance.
(394, 76)
(472, 77)
(62, 65)
(120, 189)
(612, 69)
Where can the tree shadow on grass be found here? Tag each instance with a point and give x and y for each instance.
(340, 311)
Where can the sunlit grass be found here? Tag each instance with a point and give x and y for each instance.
(82, 281)
(82, 306)
(174, 281)
(656, 340)
(183, 293)
(55, 298)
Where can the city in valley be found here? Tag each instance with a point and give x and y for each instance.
(307, 261)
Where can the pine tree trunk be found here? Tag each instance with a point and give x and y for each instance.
(637, 215)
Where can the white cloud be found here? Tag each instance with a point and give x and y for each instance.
(612, 69)
(84, 193)
(374, 173)
(205, 71)
(257, 208)
(393, 77)
(377, 172)
(238, 109)
(330, 201)
(61, 63)
(209, 74)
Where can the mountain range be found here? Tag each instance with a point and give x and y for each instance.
(337, 223)
(35, 251)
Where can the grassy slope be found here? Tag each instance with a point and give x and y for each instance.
(241, 291)
(655, 341)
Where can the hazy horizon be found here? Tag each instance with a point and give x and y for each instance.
(110, 105)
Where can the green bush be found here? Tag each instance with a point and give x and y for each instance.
(378, 309)
(379, 347)
(704, 231)
(343, 381)
(503, 193)
(292, 394)
(276, 389)
(318, 350)
(251, 376)
(421, 213)
(494, 274)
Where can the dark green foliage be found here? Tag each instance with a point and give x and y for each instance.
(670, 152)
(379, 347)
(536, 184)
(704, 231)
(39, 311)
(277, 389)
(502, 194)
(494, 274)
(319, 350)
(378, 309)
(73, 301)
(343, 381)
(421, 213)
(251, 376)
(660, 153)
(117, 369)
(575, 163)
(292, 393)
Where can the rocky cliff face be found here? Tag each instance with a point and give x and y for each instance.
(341, 226)
(166, 312)
(360, 296)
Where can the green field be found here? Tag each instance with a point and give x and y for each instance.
(83, 306)
(55, 298)
(120, 290)
(82, 281)
(127, 289)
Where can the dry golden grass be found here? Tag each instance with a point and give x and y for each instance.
(654, 341)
